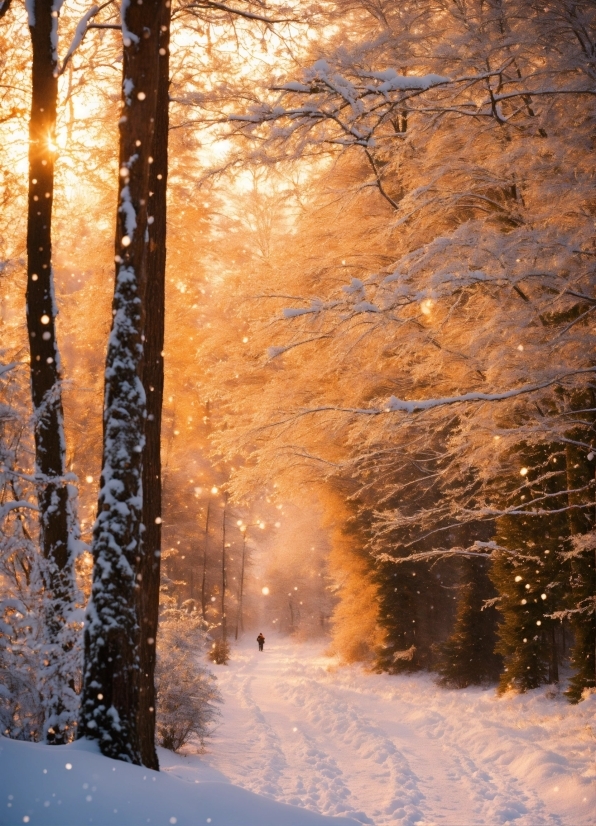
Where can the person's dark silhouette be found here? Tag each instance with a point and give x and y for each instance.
(261, 641)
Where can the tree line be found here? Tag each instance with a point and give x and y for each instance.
(425, 313)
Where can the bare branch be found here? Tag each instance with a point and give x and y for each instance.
(211, 4)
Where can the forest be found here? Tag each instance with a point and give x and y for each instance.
(295, 335)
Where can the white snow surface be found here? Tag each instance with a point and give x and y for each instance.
(74, 785)
(365, 748)
(385, 749)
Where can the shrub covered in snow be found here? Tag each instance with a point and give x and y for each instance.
(21, 712)
(34, 695)
(187, 695)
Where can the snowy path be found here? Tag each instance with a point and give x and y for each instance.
(397, 750)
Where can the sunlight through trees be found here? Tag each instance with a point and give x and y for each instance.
(323, 282)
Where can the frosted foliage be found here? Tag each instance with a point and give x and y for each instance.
(21, 708)
(79, 34)
(61, 649)
(40, 632)
(434, 320)
(187, 695)
(463, 303)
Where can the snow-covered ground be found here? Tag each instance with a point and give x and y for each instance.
(74, 785)
(398, 750)
(338, 741)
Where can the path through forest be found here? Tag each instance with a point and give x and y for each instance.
(398, 750)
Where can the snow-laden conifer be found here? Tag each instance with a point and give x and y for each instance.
(529, 572)
(468, 656)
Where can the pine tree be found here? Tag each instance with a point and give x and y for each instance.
(583, 659)
(581, 599)
(529, 572)
(418, 600)
(468, 656)
(415, 609)
(398, 586)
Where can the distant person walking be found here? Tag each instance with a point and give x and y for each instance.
(261, 641)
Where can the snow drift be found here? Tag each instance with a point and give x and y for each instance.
(74, 785)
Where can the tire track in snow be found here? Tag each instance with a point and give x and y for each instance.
(497, 796)
(398, 751)
(386, 766)
(269, 762)
(316, 784)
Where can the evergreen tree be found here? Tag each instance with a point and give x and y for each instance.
(468, 656)
(415, 609)
(583, 655)
(418, 600)
(529, 572)
(581, 596)
(397, 617)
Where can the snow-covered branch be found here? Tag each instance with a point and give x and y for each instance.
(80, 32)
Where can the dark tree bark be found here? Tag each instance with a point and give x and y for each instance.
(56, 519)
(224, 577)
(239, 617)
(110, 708)
(153, 381)
(204, 578)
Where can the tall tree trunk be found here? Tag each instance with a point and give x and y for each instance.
(224, 624)
(553, 670)
(204, 579)
(153, 382)
(57, 522)
(239, 618)
(110, 707)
